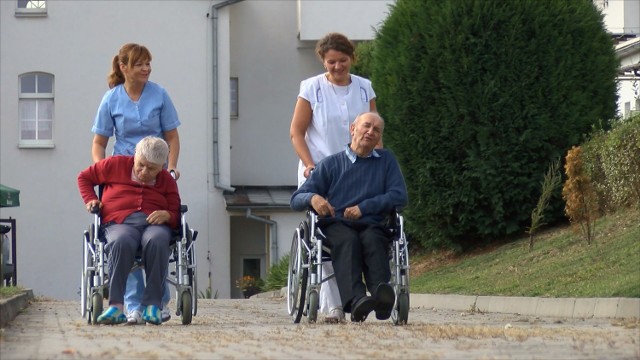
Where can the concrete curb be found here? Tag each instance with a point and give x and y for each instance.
(625, 308)
(10, 307)
(533, 306)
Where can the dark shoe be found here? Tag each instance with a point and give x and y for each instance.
(385, 298)
(165, 312)
(362, 308)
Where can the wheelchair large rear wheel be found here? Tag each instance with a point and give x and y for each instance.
(293, 277)
(302, 292)
(85, 294)
(192, 273)
(297, 275)
(194, 286)
(84, 286)
(186, 308)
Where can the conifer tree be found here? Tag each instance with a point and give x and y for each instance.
(479, 96)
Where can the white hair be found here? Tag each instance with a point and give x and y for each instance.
(373, 113)
(153, 149)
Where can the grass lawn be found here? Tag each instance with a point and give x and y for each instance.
(9, 291)
(561, 264)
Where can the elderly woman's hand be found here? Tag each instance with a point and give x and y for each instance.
(176, 173)
(158, 217)
(92, 204)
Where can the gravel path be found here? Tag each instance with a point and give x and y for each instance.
(259, 328)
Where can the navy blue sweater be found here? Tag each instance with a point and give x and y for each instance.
(375, 184)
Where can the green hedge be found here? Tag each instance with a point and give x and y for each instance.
(479, 97)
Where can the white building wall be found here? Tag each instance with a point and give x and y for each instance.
(629, 92)
(629, 82)
(621, 16)
(269, 65)
(270, 61)
(350, 16)
(76, 42)
(218, 251)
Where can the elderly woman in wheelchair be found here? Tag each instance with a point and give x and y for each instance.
(140, 206)
(352, 193)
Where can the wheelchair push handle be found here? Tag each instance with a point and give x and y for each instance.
(95, 209)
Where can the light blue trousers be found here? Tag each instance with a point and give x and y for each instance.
(135, 290)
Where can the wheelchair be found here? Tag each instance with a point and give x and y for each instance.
(305, 269)
(94, 286)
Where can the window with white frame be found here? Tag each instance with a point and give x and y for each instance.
(31, 8)
(234, 97)
(36, 110)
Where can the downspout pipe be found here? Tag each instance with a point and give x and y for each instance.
(215, 116)
(273, 238)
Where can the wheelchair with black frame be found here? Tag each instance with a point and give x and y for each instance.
(94, 286)
(305, 269)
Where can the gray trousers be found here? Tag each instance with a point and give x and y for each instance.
(123, 242)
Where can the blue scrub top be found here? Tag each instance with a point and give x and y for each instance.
(130, 121)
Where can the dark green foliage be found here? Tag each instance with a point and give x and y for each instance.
(364, 57)
(479, 96)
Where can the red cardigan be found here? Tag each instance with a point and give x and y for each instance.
(122, 196)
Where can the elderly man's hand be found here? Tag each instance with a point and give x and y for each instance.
(158, 217)
(322, 206)
(352, 212)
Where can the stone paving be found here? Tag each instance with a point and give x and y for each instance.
(259, 328)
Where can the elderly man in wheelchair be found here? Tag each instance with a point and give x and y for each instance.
(140, 206)
(352, 193)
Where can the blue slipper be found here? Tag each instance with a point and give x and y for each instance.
(152, 315)
(112, 316)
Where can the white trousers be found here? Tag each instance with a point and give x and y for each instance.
(329, 293)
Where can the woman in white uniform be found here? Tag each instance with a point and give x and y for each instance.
(326, 106)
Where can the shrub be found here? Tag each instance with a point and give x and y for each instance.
(479, 96)
(552, 180)
(612, 161)
(277, 276)
(581, 202)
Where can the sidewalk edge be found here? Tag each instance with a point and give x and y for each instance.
(10, 307)
(625, 308)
